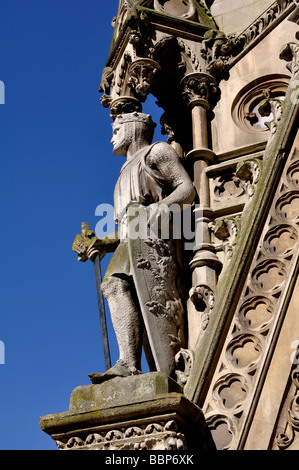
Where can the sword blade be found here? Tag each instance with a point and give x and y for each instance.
(102, 313)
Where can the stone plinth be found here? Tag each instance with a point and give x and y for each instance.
(145, 412)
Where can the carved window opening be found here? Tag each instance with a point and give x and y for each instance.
(248, 107)
(258, 121)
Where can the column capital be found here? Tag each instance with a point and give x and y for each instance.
(199, 89)
(142, 73)
(201, 154)
(123, 105)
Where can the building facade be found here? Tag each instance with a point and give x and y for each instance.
(226, 75)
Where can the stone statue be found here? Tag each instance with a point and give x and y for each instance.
(142, 282)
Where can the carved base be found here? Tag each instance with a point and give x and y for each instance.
(147, 412)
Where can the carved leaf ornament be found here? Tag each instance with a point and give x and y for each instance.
(164, 435)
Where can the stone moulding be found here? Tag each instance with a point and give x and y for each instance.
(269, 278)
(261, 27)
(221, 52)
(145, 412)
(259, 312)
(140, 14)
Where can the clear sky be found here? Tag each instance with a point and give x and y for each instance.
(57, 166)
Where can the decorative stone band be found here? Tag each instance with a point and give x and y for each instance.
(156, 435)
(144, 412)
(258, 314)
(260, 27)
(261, 281)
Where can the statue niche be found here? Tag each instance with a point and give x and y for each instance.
(142, 281)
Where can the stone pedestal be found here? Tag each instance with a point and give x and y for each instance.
(145, 412)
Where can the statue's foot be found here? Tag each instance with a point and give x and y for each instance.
(120, 369)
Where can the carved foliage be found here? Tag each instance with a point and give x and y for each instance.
(226, 230)
(220, 51)
(203, 298)
(216, 57)
(271, 107)
(261, 24)
(160, 292)
(184, 362)
(290, 53)
(199, 87)
(161, 263)
(286, 438)
(248, 173)
(142, 75)
(239, 182)
(165, 435)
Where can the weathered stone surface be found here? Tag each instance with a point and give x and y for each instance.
(147, 412)
(117, 391)
(231, 111)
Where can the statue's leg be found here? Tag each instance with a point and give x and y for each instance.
(126, 319)
(128, 326)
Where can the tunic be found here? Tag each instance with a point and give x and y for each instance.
(137, 184)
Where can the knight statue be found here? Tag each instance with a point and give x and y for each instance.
(142, 282)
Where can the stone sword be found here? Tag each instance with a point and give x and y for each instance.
(102, 313)
(85, 245)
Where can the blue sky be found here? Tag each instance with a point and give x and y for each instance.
(57, 166)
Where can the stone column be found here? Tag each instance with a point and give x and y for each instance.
(199, 90)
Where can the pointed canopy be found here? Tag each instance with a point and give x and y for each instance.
(181, 15)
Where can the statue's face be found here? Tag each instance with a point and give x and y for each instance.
(120, 140)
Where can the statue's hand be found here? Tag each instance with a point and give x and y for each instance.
(87, 246)
(80, 246)
(158, 216)
(97, 247)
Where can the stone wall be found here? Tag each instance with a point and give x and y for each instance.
(234, 16)
(261, 63)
